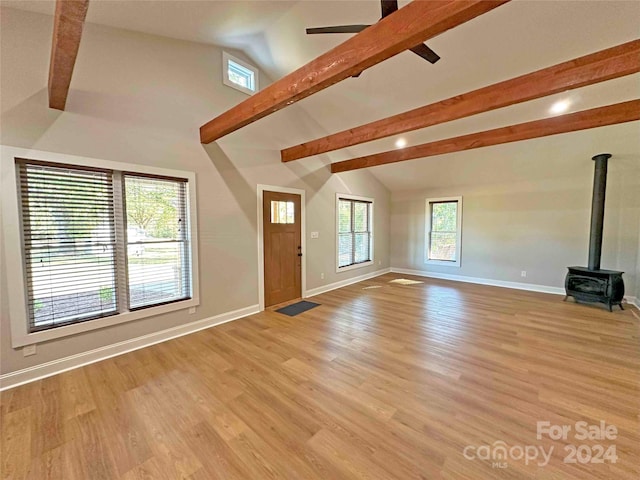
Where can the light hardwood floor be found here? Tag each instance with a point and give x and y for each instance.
(376, 383)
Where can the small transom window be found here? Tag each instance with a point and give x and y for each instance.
(239, 75)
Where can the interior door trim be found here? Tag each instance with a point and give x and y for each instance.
(303, 280)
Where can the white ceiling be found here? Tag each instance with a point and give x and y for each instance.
(215, 22)
(516, 38)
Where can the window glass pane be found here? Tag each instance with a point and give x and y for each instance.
(443, 246)
(354, 235)
(344, 216)
(290, 212)
(69, 244)
(282, 212)
(444, 217)
(155, 209)
(345, 249)
(361, 216)
(157, 273)
(157, 240)
(240, 75)
(361, 248)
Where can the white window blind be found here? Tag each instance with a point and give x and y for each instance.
(100, 242)
(354, 232)
(69, 243)
(157, 240)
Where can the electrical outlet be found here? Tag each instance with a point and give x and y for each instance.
(322, 276)
(28, 350)
(315, 234)
(379, 262)
(523, 273)
(192, 310)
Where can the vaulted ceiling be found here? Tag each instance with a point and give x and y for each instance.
(512, 40)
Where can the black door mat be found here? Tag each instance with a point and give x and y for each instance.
(296, 308)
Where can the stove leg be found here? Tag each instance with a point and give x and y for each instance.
(621, 308)
(609, 305)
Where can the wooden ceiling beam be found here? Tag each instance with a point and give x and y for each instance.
(409, 26)
(67, 32)
(597, 67)
(595, 117)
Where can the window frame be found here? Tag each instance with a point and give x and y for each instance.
(14, 260)
(427, 232)
(226, 57)
(357, 198)
(126, 271)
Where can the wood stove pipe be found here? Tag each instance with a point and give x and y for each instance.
(597, 210)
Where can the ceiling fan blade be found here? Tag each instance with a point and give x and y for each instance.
(388, 7)
(426, 53)
(337, 29)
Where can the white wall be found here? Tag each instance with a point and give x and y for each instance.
(141, 99)
(637, 294)
(529, 208)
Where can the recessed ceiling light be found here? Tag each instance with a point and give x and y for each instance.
(401, 143)
(560, 106)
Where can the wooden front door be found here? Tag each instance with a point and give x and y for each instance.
(282, 247)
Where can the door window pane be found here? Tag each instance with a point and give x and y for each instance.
(282, 212)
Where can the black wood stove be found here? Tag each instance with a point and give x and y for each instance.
(593, 284)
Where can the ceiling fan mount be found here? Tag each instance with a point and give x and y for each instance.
(387, 8)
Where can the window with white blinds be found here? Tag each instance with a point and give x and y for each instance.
(100, 242)
(354, 231)
(69, 244)
(157, 240)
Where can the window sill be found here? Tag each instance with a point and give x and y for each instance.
(354, 266)
(443, 263)
(239, 88)
(74, 329)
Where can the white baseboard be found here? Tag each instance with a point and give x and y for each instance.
(482, 281)
(532, 287)
(343, 283)
(37, 372)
